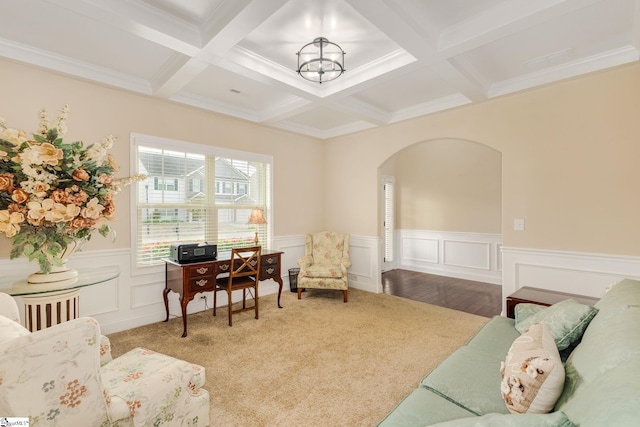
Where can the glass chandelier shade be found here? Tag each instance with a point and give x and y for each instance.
(320, 61)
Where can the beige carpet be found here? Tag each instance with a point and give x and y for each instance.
(315, 362)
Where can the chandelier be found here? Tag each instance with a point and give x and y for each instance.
(320, 61)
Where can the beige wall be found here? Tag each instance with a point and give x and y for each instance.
(447, 185)
(97, 111)
(570, 155)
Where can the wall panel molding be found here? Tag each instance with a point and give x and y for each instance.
(472, 256)
(573, 272)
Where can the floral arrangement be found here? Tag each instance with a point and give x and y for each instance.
(53, 193)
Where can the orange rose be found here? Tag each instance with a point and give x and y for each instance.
(19, 196)
(60, 196)
(80, 198)
(109, 209)
(81, 175)
(104, 179)
(79, 222)
(6, 182)
(40, 189)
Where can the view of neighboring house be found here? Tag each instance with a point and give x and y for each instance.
(178, 203)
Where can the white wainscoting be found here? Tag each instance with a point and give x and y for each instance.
(573, 272)
(473, 256)
(364, 253)
(135, 300)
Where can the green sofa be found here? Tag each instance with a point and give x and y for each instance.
(601, 383)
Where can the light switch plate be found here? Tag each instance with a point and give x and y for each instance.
(518, 224)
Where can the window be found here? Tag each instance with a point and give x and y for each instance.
(196, 193)
(165, 184)
(388, 219)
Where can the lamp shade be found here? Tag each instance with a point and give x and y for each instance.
(256, 217)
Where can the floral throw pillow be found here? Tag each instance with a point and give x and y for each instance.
(532, 374)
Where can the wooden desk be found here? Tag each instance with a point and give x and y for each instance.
(542, 297)
(187, 280)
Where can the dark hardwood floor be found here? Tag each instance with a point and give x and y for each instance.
(483, 299)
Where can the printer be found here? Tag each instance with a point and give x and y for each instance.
(184, 253)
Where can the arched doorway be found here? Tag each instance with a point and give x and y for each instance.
(447, 209)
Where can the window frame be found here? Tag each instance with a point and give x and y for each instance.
(137, 139)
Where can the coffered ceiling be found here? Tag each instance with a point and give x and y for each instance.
(404, 58)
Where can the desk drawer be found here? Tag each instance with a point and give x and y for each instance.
(201, 284)
(200, 270)
(269, 271)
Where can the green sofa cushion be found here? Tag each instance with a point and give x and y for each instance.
(566, 320)
(471, 378)
(612, 399)
(496, 337)
(623, 294)
(554, 419)
(614, 341)
(422, 408)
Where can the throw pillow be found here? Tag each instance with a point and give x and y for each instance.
(523, 311)
(532, 374)
(566, 320)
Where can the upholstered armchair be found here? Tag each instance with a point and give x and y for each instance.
(325, 262)
(54, 376)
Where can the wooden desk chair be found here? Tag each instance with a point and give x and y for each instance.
(243, 274)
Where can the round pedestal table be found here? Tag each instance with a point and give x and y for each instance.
(48, 304)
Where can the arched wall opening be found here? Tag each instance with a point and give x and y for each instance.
(447, 209)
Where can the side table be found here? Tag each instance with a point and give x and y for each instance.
(542, 297)
(48, 304)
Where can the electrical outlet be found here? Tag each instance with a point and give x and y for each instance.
(518, 224)
(353, 277)
(203, 297)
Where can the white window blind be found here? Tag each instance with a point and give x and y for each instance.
(197, 194)
(388, 220)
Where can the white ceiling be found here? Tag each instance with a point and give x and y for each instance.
(404, 58)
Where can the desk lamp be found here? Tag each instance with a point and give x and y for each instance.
(256, 219)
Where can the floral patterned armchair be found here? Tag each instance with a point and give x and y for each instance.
(325, 263)
(54, 376)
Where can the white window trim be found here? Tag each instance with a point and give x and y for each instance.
(137, 139)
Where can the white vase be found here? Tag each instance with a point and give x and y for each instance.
(62, 272)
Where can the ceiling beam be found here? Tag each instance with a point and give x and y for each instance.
(239, 20)
(141, 20)
(500, 21)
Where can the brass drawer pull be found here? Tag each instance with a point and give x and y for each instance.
(269, 260)
(202, 270)
(202, 282)
(224, 267)
(270, 270)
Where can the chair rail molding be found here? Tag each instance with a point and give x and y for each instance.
(573, 272)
